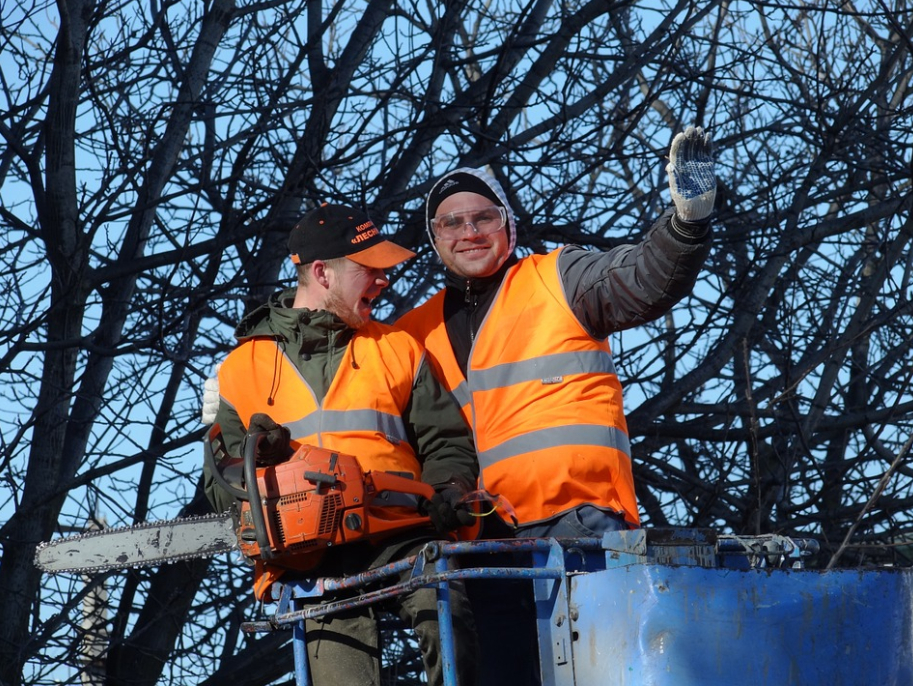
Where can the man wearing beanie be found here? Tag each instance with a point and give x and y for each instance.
(312, 368)
(522, 344)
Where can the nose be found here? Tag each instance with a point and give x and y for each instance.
(380, 278)
(469, 224)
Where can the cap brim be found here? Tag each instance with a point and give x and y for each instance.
(382, 255)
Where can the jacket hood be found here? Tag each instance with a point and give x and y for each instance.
(495, 187)
(278, 315)
(256, 322)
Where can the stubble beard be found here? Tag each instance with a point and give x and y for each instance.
(335, 304)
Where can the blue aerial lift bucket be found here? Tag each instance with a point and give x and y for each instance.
(658, 607)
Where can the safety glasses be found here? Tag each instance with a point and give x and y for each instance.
(483, 221)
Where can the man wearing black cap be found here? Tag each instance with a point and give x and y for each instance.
(312, 368)
(522, 344)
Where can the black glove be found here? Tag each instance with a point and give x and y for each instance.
(445, 509)
(273, 445)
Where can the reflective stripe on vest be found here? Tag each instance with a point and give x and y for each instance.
(546, 407)
(557, 437)
(461, 394)
(320, 421)
(361, 413)
(548, 369)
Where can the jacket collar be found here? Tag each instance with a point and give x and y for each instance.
(313, 329)
(482, 284)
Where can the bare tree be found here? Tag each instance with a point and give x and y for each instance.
(155, 156)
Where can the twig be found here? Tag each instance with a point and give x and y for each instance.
(882, 484)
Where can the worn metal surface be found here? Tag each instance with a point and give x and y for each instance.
(671, 608)
(152, 543)
(659, 624)
(687, 607)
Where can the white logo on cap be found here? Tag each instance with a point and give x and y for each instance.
(448, 184)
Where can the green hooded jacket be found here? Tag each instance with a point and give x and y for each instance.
(317, 342)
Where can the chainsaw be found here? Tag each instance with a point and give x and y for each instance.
(290, 512)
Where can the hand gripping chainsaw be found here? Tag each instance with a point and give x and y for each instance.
(292, 511)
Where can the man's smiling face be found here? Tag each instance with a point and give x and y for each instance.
(471, 255)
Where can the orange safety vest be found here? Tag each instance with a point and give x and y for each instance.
(360, 415)
(542, 398)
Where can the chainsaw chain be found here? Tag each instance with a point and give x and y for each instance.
(166, 559)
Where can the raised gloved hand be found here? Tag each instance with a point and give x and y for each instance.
(691, 177)
(274, 445)
(211, 397)
(444, 507)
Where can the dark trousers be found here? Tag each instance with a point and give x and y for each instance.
(508, 642)
(505, 611)
(344, 649)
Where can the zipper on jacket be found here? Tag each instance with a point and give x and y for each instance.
(471, 300)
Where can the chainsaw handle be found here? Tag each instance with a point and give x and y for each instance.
(253, 493)
(214, 438)
(376, 484)
(387, 481)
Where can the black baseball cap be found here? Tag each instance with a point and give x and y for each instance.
(332, 231)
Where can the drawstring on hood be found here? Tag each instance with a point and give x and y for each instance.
(274, 382)
(352, 353)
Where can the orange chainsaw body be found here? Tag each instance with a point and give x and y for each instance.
(320, 498)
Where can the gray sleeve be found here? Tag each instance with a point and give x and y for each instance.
(442, 440)
(633, 284)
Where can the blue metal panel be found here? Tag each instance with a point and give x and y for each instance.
(669, 607)
(647, 624)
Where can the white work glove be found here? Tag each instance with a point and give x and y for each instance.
(211, 397)
(691, 178)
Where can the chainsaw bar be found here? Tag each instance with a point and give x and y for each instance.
(142, 545)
